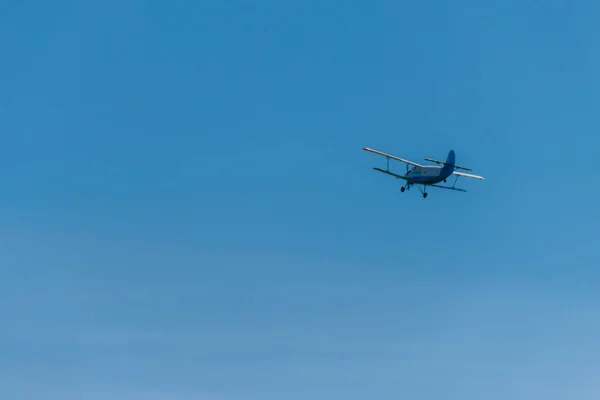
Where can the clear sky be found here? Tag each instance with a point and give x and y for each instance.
(187, 212)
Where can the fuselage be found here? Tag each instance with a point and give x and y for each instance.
(428, 175)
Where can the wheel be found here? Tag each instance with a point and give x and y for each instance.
(402, 189)
(424, 195)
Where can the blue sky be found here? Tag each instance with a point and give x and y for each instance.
(187, 212)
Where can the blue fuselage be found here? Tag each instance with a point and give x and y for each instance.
(428, 175)
(431, 174)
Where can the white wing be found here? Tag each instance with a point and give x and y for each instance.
(392, 157)
(468, 175)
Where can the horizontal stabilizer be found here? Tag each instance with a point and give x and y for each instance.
(443, 163)
(468, 175)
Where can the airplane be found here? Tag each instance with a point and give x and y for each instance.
(426, 175)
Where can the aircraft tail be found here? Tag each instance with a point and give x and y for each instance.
(450, 163)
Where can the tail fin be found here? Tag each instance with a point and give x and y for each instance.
(450, 162)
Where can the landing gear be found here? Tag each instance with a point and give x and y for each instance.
(423, 190)
(402, 189)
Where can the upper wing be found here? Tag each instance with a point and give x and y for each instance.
(392, 157)
(468, 175)
(443, 163)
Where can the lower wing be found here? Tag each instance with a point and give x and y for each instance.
(449, 188)
(389, 173)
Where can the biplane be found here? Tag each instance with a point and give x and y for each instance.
(424, 176)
